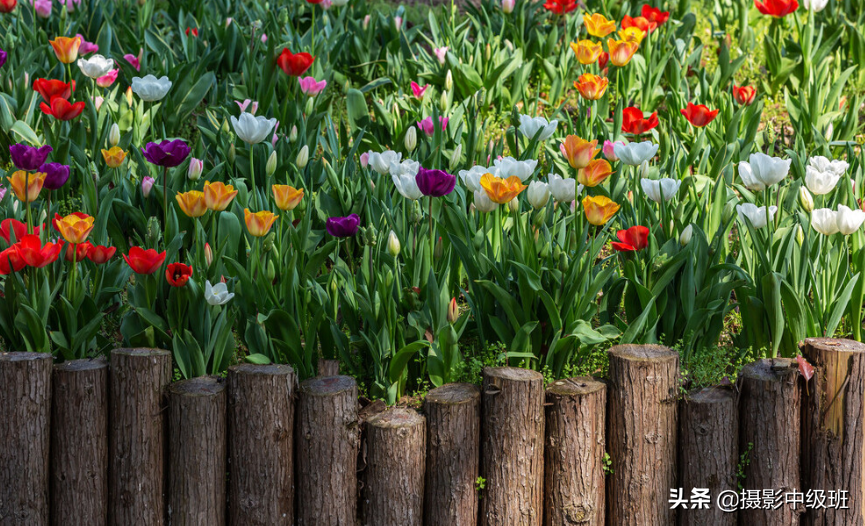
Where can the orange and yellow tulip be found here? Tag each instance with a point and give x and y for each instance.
(621, 51)
(114, 157)
(598, 25)
(192, 203)
(591, 86)
(259, 223)
(578, 151)
(66, 48)
(587, 52)
(218, 195)
(75, 227)
(286, 197)
(500, 190)
(632, 34)
(599, 209)
(594, 173)
(26, 186)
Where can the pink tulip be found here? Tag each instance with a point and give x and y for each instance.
(243, 105)
(508, 6)
(228, 21)
(366, 20)
(2, 193)
(43, 8)
(364, 159)
(418, 90)
(325, 4)
(428, 127)
(440, 53)
(97, 102)
(310, 86)
(108, 79)
(275, 138)
(397, 22)
(263, 38)
(86, 47)
(609, 151)
(147, 185)
(132, 59)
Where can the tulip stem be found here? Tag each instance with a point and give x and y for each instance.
(252, 175)
(431, 235)
(165, 205)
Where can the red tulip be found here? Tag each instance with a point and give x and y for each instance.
(10, 261)
(560, 7)
(655, 16)
(193, 30)
(81, 251)
(631, 240)
(639, 22)
(10, 226)
(699, 115)
(61, 109)
(99, 254)
(744, 95)
(6, 6)
(50, 88)
(144, 261)
(294, 64)
(603, 60)
(776, 8)
(178, 274)
(34, 254)
(633, 121)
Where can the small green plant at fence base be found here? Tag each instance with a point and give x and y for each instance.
(480, 484)
(607, 463)
(744, 461)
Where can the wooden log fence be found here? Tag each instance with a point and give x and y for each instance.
(91, 443)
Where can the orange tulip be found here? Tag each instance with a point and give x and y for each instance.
(587, 52)
(594, 173)
(26, 186)
(66, 48)
(286, 197)
(599, 209)
(591, 86)
(632, 34)
(75, 228)
(598, 25)
(259, 223)
(114, 157)
(621, 51)
(500, 190)
(192, 203)
(217, 196)
(578, 151)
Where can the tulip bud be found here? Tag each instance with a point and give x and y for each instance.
(800, 235)
(488, 51)
(514, 204)
(208, 254)
(449, 81)
(410, 140)
(540, 217)
(129, 96)
(545, 252)
(388, 278)
(439, 249)
(232, 153)
(154, 230)
(453, 311)
(644, 169)
(292, 135)
(196, 166)
(416, 212)
(271, 271)
(508, 6)
(370, 236)
(225, 128)
(443, 102)
(114, 135)
(366, 20)
(830, 130)
(806, 201)
(685, 237)
(270, 168)
(393, 246)
(147, 186)
(267, 246)
(455, 157)
(729, 210)
(309, 106)
(302, 157)
(15, 206)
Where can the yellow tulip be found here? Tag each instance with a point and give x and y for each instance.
(599, 209)
(594, 173)
(578, 151)
(259, 223)
(587, 52)
(75, 228)
(500, 190)
(26, 186)
(66, 48)
(598, 25)
(591, 86)
(621, 51)
(114, 157)
(286, 197)
(218, 195)
(192, 203)
(632, 34)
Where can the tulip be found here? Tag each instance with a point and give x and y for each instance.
(633, 239)
(193, 30)
(849, 220)
(134, 61)
(56, 175)
(28, 158)
(4, 56)
(634, 123)
(655, 16)
(113, 135)
(258, 224)
(599, 209)
(632, 34)
(95, 66)
(578, 151)
(762, 171)
(508, 166)
(744, 95)
(218, 195)
(757, 216)
(563, 190)
(598, 26)
(61, 109)
(776, 8)
(820, 182)
(250, 129)
(167, 154)
(594, 173)
(508, 6)
(7, 6)
(302, 157)
(472, 177)
(822, 164)
(114, 156)
(26, 186)
(621, 51)
(393, 244)
(310, 86)
(76, 252)
(293, 64)
(418, 90)
(177, 274)
(150, 88)
(825, 221)
(13, 226)
(806, 201)
(483, 203)
(196, 166)
(147, 186)
(586, 51)
(441, 54)
(245, 104)
(660, 190)
(815, 5)
(411, 139)
(435, 183)
(99, 254)
(699, 115)
(192, 203)
(427, 126)
(342, 226)
(633, 154)
(538, 194)
(609, 150)
(685, 238)
(530, 127)
(381, 162)
(591, 86)
(366, 20)
(49, 89)
(640, 22)
(10, 261)
(34, 254)
(217, 294)
(502, 191)
(286, 197)
(66, 48)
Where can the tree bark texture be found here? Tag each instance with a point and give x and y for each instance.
(328, 367)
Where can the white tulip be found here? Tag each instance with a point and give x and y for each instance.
(302, 157)
(508, 167)
(408, 167)
(819, 182)
(472, 177)
(806, 200)
(666, 187)
(251, 129)
(563, 190)
(633, 154)
(381, 162)
(685, 237)
(95, 66)
(530, 126)
(217, 294)
(748, 179)
(483, 202)
(768, 170)
(815, 5)
(825, 221)
(406, 185)
(538, 194)
(393, 245)
(822, 164)
(756, 215)
(150, 88)
(849, 220)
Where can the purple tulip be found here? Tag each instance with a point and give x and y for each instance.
(167, 154)
(56, 175)
(3, 56)
(27, 157)
(435, 183)
(2, 193)
(343, 226)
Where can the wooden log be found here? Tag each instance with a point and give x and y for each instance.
(25, 413)
(79, 443)
(641, 434)
(453, 413)
(770, 402)
(197, 451)
(328, 367)
(261, 445)
(833, 421)
(136, 436)
(574, 452)
(512, 447)
(394, 479)
(326, 445)
(708, 453)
